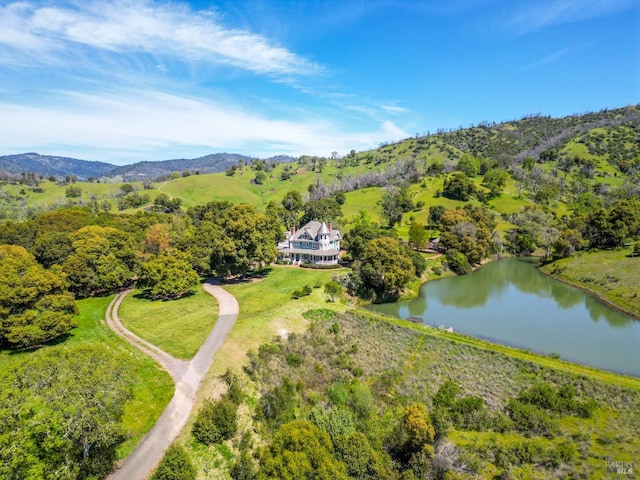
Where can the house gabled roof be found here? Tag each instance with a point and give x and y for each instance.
(312, 230)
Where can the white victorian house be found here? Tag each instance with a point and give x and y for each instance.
(315, 243)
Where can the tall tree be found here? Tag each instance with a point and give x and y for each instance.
(65, 419)
(168, 275)
(103, 260)
(395, 201)
(250, 240)
(34, 304)
(323, 210)
(385, 268)
(417, 236)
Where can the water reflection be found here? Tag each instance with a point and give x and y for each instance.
(513, 303)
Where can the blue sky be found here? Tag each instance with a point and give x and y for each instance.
(128, 80)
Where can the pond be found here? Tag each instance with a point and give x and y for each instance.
(512, 303)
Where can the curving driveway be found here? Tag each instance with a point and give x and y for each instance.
(187, 375)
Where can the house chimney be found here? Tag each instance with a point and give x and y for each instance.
(293, 230)
(329, 225)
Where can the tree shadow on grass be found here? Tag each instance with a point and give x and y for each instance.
(249, 277)
(146, 295)
(32, 348)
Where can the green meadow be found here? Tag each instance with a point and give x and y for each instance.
(179, 327)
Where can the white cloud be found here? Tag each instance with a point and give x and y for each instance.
(530, 16)
(132, 125)
(139, 26)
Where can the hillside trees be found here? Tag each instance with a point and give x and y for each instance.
(469, 165)
(532, 227)
(163, 203)
(395, 201)
(495, 180)
(469, 231)
(35, 306)
(458, 187)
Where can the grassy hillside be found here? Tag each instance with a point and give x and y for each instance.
(610, 274)
(608, 142)
(382, 366)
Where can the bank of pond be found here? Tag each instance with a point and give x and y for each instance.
(512, 303)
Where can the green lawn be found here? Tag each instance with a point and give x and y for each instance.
(610, 274)
(179, 327)
(152, 388)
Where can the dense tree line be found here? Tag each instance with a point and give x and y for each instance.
(73, 252)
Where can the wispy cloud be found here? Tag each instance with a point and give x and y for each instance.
(552, 57)
(142, 27)
(530, 16)
(133, 125)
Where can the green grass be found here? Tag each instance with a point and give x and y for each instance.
(202, 189)
(179, 327)
(152, 388)
(612, 275)
(365, 199)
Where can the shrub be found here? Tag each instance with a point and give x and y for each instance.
(530, 419)
(302, 292)
(234, 393)
(337, 393)
(175, 465)
(243, 468)
(445, 397)
(279, 404)
(293, 359)
(319, 314)
(216, 421)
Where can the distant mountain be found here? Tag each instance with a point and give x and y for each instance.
(51, 165)
(217, 162)
(62, 166)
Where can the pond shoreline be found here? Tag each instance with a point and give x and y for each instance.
(515, 306)
(598, 295)
(413, 291)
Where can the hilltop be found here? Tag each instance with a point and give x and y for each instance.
(548, 161)
(610, 134)
(12, 166)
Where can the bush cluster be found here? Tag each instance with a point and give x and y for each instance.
(217, 420)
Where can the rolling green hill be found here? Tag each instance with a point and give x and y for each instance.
(574, 153)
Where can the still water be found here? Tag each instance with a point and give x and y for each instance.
(512, 303)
